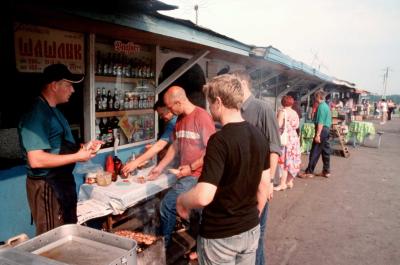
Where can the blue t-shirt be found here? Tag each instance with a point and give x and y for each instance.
(43, 128)
(169, 129)
(323, 115)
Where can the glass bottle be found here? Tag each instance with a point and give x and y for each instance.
(106, 65)
(103, 132)
(110, 135)
(103, 99)
(135, 101)
(116, 100)
(98, 100)
(99, 63)
(110, 101)
(131, 104)
(117, 166)
(97, 129)
(121, 100)
(126, 102)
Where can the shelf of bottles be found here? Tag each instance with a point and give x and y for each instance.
(122, 113)
(124, 92)
(119, 65)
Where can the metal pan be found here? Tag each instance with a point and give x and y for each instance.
(80, 245)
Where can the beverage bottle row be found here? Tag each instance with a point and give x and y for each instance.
(117, 64)
(123, 101)
(107, 130)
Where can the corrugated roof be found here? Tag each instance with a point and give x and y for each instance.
(124, 6)
(343, 83)
(143, 15)
(274, 55)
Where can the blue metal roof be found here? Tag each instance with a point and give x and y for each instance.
(165, 26)
(142, 15)
(276, 56)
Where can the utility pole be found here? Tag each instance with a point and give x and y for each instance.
(196, 9)
(385, 80)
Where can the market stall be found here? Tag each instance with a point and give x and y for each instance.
(359, 130)
(307, 133)
(355, 132)
(128, 57)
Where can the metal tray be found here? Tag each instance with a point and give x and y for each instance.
(12, 256)
(80, 245)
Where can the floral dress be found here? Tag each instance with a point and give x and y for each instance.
(290, 159)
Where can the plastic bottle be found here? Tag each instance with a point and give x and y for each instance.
(110, 167)
(117, 166)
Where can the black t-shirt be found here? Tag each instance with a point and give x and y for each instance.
(235, 158)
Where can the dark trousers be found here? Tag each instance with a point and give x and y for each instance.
(390, 114)
(45, 207)
(323, 149)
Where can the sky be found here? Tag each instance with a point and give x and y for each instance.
(352, 40)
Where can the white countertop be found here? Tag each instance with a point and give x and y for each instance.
(96, 201)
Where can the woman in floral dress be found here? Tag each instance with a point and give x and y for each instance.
(290, 159)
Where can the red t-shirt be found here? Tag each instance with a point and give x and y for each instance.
(191, 133)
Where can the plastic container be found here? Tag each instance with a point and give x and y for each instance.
(104, 178)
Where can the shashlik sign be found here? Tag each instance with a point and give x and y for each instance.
(37, 47)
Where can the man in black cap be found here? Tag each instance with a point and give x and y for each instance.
(51, 152)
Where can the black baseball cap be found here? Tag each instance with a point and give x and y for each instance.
(57, 72)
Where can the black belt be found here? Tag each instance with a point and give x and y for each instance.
(36, 177)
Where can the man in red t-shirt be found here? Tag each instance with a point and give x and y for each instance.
(192, 131)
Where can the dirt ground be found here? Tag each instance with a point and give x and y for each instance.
(351, 218)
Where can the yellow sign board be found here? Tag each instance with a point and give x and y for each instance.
(37, 47)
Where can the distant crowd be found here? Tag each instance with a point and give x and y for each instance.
(382, 109)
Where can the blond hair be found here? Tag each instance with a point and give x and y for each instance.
(228, 88)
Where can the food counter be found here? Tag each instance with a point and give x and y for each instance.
(96, 201)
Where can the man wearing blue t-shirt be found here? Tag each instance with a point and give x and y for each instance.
(162, 144)
(320, 145)
(51, 152)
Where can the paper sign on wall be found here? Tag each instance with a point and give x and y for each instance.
(37, 47)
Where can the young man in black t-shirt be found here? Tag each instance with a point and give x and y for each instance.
(229, 185)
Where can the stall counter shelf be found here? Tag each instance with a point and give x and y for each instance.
(98, 201)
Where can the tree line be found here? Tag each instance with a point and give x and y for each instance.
(395, 98)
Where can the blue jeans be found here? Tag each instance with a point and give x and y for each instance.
(260, 256)
(317, 150)
(235, 250)
(168, 206)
